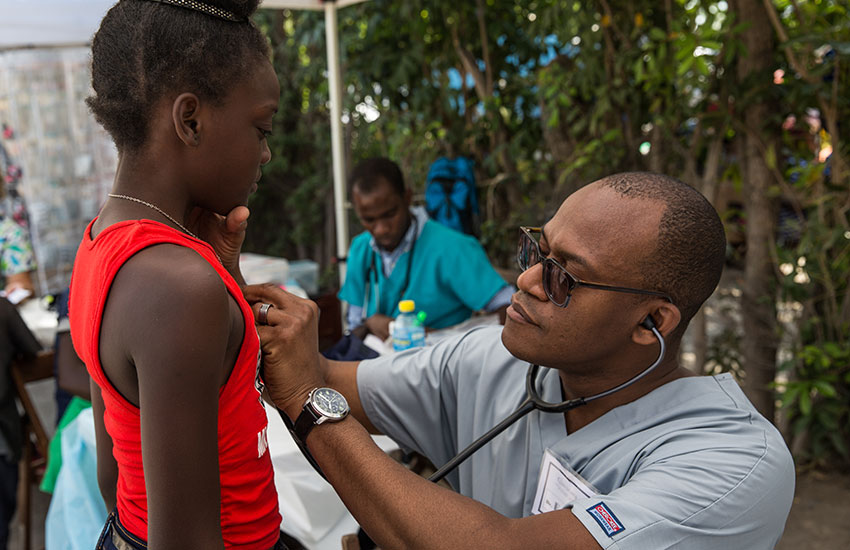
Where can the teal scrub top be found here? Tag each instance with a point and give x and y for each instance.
(450, 277)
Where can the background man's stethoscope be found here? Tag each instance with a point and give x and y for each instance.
(373, 271)
(534, 401)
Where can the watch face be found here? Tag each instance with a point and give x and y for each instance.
(329, 403)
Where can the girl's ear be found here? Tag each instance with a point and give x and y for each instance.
(184, 116)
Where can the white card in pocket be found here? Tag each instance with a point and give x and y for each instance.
(558, 486)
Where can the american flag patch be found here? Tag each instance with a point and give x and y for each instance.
(606, 519)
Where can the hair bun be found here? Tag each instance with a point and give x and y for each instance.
(243, 9)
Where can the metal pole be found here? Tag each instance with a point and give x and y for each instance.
(335, 87)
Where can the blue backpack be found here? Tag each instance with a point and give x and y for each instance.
(450, 194)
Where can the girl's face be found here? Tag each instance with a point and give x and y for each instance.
(234, 147)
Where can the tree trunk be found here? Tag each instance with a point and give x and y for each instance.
(760, 343)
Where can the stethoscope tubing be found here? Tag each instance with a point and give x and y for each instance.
(373, 271)
(533, 401)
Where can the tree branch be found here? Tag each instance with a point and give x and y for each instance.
(468, 61)
(783, 38)
(485, 47)
(607, 8)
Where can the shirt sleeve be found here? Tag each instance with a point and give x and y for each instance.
(410, 396)
(700, 500)
(354, 316)
(502, 298)
(470, 275)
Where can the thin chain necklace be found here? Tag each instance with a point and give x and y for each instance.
(154, 207)
(161, 211)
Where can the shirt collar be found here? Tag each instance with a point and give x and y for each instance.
(418, 217)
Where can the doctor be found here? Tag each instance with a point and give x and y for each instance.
(403, 255)
(671, 461)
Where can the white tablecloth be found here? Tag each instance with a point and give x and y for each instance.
(312, 512)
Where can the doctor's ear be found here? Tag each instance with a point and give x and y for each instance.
(184, 116)
(665, 317)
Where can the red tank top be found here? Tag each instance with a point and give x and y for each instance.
(249, 506)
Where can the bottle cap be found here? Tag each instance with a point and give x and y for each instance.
(406, 306)
(420, 318)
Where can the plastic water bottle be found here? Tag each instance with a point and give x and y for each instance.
(407, 330)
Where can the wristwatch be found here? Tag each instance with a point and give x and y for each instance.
(323, 405)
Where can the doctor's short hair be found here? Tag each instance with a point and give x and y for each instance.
(691, 249)
(370, 173)
(146, 50)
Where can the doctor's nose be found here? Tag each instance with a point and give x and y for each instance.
(531, 282)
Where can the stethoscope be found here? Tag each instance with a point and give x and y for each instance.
(533, 401)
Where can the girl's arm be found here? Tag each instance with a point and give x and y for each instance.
(172, 317)
(107, 468)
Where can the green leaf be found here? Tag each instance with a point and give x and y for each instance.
(789, 396)
(832, 349)
(770, 157)
(805, 404)
(638, 69)
(825, 388)
(685, 65)
(839, 443)
(657, 34)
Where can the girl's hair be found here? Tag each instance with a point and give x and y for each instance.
(147, 49)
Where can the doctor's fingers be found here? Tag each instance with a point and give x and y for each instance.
(266, 292)
(290, 342)
(286, 312)
(272, 294)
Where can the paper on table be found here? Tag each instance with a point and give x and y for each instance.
(17, 295)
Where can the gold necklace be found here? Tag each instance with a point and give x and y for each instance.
(164, 213)
(155, 207)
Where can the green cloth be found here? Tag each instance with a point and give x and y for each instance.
(54, 453)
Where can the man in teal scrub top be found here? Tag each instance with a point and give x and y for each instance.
(404, 255)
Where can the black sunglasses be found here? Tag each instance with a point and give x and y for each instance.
(557, 281)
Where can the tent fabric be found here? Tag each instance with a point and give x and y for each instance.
(48, 23)
(45, 23)
(306, 4)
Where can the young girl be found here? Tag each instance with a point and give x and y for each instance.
(187, 92)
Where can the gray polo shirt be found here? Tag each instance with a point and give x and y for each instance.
(689, 465)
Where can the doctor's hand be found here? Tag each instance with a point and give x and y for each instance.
(289, 337)
(224, 233)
